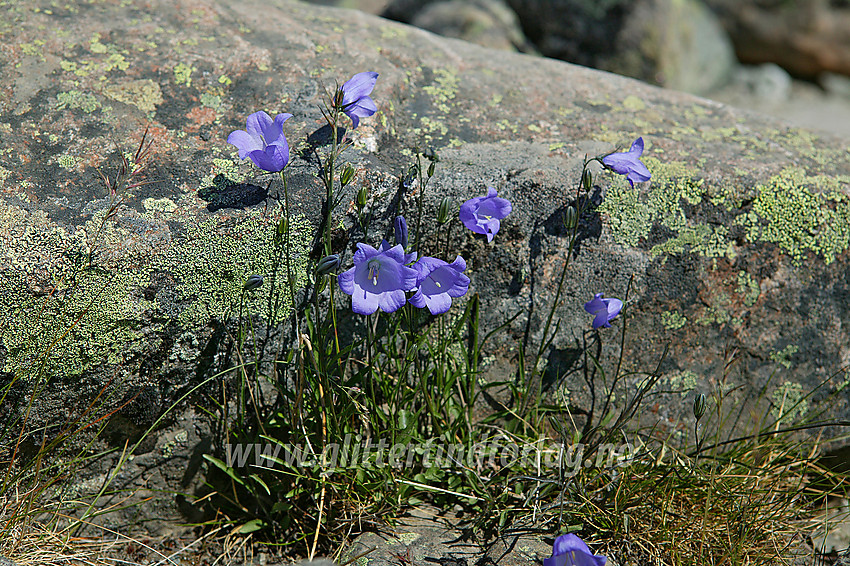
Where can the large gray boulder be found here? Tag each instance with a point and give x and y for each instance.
(739, 243)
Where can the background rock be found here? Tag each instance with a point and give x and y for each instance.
(807, 37)
(739, 243)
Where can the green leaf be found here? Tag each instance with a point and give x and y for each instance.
(224, 468)
(252, 526)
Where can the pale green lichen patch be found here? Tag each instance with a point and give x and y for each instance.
(213, 262)
(68, 162)
(748, 287)
(684, 381)
(783, 357)
(159, 205)
(143, 94)
(672, 320)
(75, 99)
(707, 240)
(789, 402)
(74, 299)
(632, 214)
(800, 214)
(444, 89)
(183, 74)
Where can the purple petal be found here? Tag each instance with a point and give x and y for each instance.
(363, 302)
(346, 281)
(492, 228)
(439, 303)
(245, 142)
(364, 252)
(417, 300)
(391, 301)
(358, 86)
(637, 147)
(258, 123)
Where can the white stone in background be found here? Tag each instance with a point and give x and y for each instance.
(838, 85)
(769, 82)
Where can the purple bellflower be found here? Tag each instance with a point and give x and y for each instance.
(482, 214)
(378, 280)
(353, 97)
(628, 163)
(438, 282)
(569, 550)
(263, 142)
(603, 310)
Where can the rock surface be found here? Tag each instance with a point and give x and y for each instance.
(807, 38)
(739, 243)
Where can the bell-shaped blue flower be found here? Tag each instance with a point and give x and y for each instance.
(263, 142)
(438, 283)
(628, 163)
(482, 215)
(603, 310)
(569, 550)
(378, 280)
(355, 100)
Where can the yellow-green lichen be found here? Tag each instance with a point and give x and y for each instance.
(67, 161)
(210, 100)
(794, 211)
(632, 215)
(633, 103)
(672, 320)
(707, 240)
(74, 299)
(783, 357)
(789, 402)
(183, 74)
(75, 99)
(159, 205)
(143, 94)
(748, 287)
(684, 381)
(213, 262)
(444, 89)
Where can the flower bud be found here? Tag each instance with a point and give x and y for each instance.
(253, 282)
(339, 96)
(327, 265)
(362, 196)
(431, 168)
(444, 210)
(699, 406)
(400, 230)
(587, 180)
(347, 175)
(570, 218)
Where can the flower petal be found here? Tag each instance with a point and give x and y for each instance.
(358, 86)
(258, 122)
(245, 142)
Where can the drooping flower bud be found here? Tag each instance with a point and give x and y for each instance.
(431, 168)
(327, 264)
(699, 406)
(347, 175)
(444, 210)
(253, 282)
(400, 230)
